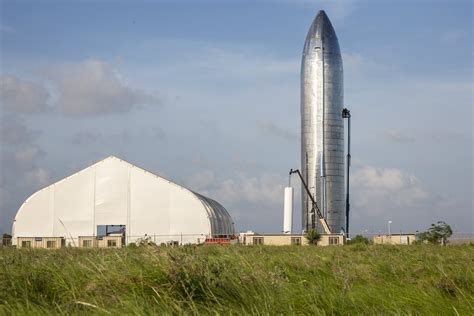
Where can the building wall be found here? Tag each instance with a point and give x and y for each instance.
(43, 242)
(395, 239)
(114, 192)
(282, 239)
(110, 242)
(87, 242)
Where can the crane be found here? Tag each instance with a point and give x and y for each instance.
(315, 208)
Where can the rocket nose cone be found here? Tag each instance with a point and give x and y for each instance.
(322, 31)
(321, 13)
(322, 22)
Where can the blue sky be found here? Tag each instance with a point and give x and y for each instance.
(207, 94)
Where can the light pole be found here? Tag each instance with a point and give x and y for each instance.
(347, 114)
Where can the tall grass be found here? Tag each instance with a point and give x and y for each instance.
(239, 280)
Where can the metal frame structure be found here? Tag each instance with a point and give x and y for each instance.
(314, 208)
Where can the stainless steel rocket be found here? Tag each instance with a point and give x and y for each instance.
(322, 125)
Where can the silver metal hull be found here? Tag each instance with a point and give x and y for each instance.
(322, 125)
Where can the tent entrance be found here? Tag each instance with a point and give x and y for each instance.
(112, 229)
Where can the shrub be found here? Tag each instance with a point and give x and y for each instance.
(313, 236)
(358, 239)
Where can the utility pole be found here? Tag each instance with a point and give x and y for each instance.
(347, 114)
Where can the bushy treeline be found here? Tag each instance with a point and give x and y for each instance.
(437, 234)
(239, 280)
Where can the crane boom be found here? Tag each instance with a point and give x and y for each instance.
(315, 207)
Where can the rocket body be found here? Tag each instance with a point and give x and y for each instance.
(322, 125)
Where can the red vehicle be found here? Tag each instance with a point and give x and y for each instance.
(224, 240)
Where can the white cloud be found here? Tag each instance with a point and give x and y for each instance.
(264, 188)
(38, 177)
(379, 188)
(14, 131)
(202, 181)
(88, 88)
(251, 199)
(272, 129)
(382, 194)
(20, 170)
(27, 153)
(22, 96)
(92, 88)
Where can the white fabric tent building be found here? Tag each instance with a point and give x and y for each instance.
(115, 192)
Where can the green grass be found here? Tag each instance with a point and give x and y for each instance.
(351, 280)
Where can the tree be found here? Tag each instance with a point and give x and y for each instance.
(313, 236)
(358, 239)
(437, 234)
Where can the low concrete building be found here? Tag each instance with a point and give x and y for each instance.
(394, 239)
(87, 242)
(251, 238)
(111, 241)
(41, 242)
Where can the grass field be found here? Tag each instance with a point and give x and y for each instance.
(350, 280)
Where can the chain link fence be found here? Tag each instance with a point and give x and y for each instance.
(458, 238)
(108, 241)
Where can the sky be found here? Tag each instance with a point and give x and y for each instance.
(206, 93)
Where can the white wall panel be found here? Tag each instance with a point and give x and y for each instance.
(187, 214)
(35, 217)
(111, 193)
(149, 204)
(74, 205)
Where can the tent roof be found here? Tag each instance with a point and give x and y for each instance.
(220, 219)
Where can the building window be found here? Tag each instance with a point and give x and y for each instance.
(51, 244)
(25, 244)
(111, 243)
(296, 241)
(87, 243)
(334, 240)
(258, 240)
